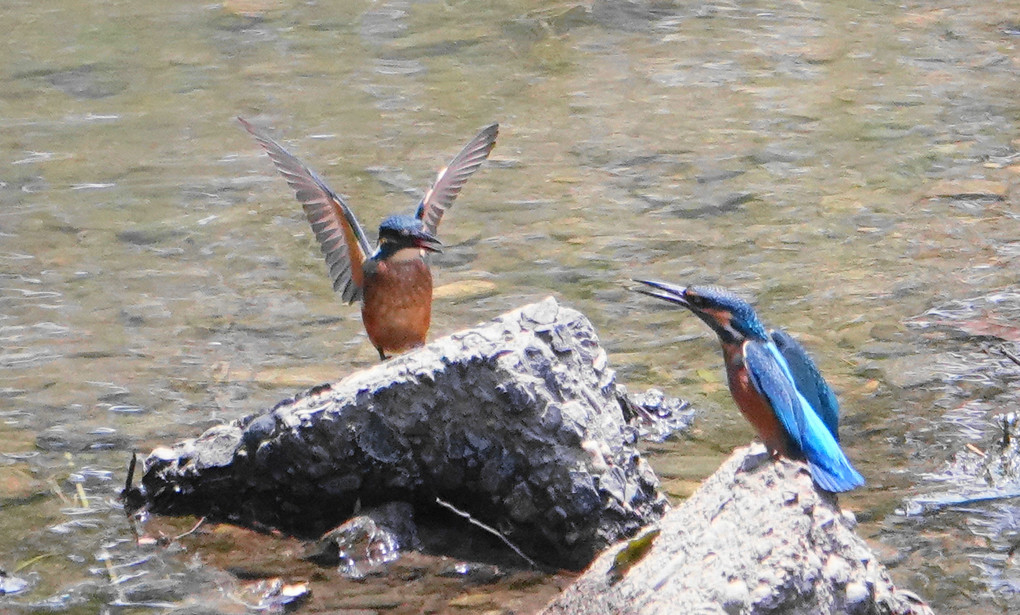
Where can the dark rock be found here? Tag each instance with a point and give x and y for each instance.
(85, 82)
(912, 371)
(885, 350)
(472, 572)
(757, 537)
(359, 547)
(656, 416)
(516, 422)
(632, 15)
(150, 236)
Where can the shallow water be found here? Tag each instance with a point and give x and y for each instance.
(848, 166)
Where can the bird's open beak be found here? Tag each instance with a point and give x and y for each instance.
(429, 242)
(664, 291)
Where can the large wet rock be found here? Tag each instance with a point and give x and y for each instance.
(517, 422)
(757, 537)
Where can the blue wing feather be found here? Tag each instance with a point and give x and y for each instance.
(809, 380)
(772, 378)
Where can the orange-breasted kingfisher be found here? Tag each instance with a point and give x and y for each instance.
(774, 382)
(393, 282)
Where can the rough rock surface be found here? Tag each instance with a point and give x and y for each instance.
(757, 537)
(516, 422)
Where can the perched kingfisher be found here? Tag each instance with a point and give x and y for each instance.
(774, 382)
(393, 282)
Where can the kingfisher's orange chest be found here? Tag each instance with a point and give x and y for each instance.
(755, 408)
(397, 303)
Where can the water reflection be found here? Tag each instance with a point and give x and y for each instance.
(820, 157)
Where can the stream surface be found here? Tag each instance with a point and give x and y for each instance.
(850, 167)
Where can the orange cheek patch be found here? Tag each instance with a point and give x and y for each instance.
(721, 317)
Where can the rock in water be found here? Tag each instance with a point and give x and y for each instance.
(516, 421)
(757, 537)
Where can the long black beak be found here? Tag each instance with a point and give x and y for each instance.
(664, 291)
(429, 242)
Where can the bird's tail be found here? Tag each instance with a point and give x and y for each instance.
(830, 468)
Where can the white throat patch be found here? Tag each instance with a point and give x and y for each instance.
(407, 254)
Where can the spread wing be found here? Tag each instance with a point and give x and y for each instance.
(770, 376)
(809, 380)
(453, 177)
(341, 238)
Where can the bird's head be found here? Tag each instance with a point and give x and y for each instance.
(732, 318)
(399, 232)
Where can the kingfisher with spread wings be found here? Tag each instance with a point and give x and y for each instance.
(774, 382)
(393, 282)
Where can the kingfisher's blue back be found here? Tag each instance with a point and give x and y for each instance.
(774, 382)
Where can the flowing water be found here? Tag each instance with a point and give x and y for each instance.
(849, 166)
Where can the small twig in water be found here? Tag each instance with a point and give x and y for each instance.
(1009, 355)
(29, 562)
(131, 472)
(491, 530)
(192, 530)
(84, 499)
(55, 488)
